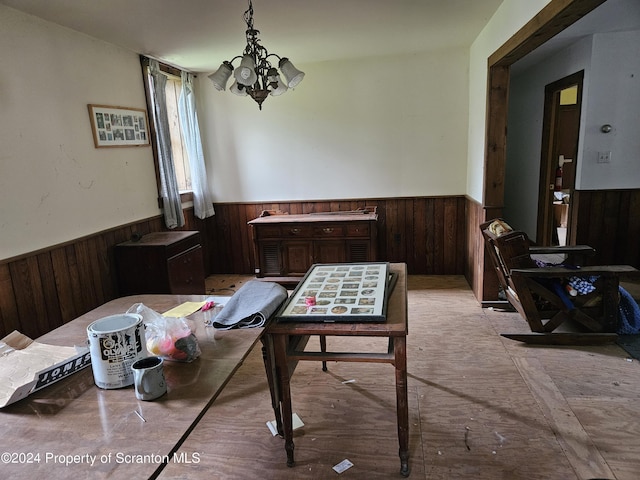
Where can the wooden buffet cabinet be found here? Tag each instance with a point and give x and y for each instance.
(287, 245)
(161, 262)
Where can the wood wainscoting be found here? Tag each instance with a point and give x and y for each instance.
(427, 233)
(41, 290)
(609, 221)
(433, 235)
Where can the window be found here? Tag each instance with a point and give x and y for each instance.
(177, 146)
(178, 150)
(180, 159)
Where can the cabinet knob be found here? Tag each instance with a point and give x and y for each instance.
(295, 231)
(327, 230)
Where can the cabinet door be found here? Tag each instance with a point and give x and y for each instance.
(358, 251)
(297, 257)
(270, 261)
(329, 251)
(186, 272)
(141, 270)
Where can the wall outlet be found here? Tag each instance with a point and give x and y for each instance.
(604, 157)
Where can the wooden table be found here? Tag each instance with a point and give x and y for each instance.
(289, 339)
(73, 429)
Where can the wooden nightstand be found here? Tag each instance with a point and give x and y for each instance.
(161, 262)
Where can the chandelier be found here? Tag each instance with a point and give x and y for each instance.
(255, 76)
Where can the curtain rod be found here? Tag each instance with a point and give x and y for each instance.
(165, 67)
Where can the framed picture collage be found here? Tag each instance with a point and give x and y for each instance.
(340, 292)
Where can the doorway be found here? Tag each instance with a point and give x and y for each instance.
(560, 135)
(551, 20)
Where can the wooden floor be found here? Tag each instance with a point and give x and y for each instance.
(480, 406)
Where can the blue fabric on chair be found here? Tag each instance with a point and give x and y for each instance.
(583, 286)
(629, 314)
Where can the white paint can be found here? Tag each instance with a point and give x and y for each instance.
(116, 342)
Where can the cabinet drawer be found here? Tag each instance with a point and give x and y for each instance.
(268, 231)
(186, 272)
(358, 230)
(302, 231)
(329, 231)
(182, 245)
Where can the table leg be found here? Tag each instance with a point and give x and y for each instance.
(400, 350)
(272, 378)
(282, 369)
(323, 349)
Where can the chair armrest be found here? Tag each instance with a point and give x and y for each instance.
(554, 272)
(565, 250)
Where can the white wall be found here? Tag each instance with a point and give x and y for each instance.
(508, 19)
(54, 185)
(524, 139)
(385, 127)
(381, 127)
(613, 98)
(611, 95)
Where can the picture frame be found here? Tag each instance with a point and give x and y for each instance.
(114, 126)
(340, 293)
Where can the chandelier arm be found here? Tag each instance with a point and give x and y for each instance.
(273, 55)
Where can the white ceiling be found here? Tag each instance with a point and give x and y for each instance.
(198, 35)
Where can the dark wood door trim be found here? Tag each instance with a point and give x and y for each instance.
(548, 161)
(555, 17)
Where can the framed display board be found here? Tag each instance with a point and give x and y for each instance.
(118, 126)
(340, 292)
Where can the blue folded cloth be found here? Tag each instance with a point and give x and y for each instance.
(629, 314)
(583, 286)
(251, 306)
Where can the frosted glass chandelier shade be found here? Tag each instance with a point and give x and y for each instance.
(292, 75)
(246, 73)
(236, 90)
(278, 87)
(221, 76)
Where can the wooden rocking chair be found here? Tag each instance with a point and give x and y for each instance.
(539, 293)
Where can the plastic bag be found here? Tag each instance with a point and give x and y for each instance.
(167, 337)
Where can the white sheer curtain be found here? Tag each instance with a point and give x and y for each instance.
(202, 198)
(170, 194)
